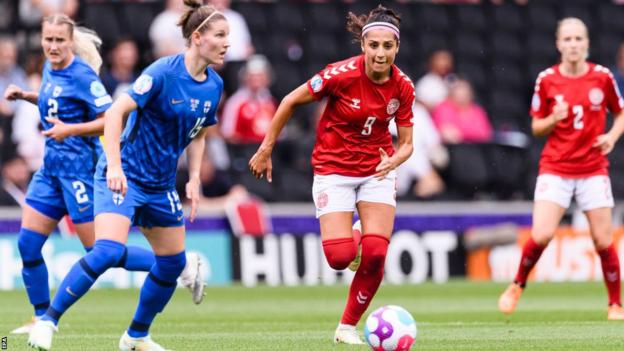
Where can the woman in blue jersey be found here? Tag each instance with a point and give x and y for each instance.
(168, 108)
(71, 102)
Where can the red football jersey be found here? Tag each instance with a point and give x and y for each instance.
(246, 116)
(568, 151)
(354, 124)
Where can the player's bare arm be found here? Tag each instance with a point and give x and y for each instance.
(13, 92)
(114, 119)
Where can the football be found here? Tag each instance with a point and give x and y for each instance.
(390, 328)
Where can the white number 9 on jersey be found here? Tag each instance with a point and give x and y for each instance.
(368, 126)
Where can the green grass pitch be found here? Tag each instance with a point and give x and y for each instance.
(456, 316)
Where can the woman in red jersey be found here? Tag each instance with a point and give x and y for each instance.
(569, 106)
(353, 159)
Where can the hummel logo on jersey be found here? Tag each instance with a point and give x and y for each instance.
(361, 298)
(355, 103)
(175, 102)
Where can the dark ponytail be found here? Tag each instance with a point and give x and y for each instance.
(355, 23)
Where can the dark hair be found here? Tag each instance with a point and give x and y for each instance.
(195, 16)
(355, 23)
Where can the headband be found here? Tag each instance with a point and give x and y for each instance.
(206, 20)
(381, 25)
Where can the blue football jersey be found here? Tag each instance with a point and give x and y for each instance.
(74, 94)
(172, 109)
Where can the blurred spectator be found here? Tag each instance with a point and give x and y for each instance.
(618, 70)
(26, 133)
(459, 119)
(248, 113)
(216, 184)
(164, 33)
(15, 177)
(10, 73)
(123, 59)
(432, 88)
(240, 48)
(31, 12)
(418, 175)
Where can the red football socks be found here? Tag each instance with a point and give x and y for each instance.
(530, 255)
(340, 252)
(611, 273)
(367, 278)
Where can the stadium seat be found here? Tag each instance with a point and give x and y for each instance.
(508, 110)
(321, 47)
(102, 18)
(137, 18)
(468, 171)
(432, 41)
(506, 46)
(254, 14)
(542, 17)
(508, 74)
(325, 17)
(468, 45)
(287, 16)
(610, 18)
(605, 48)
(508, 17)
(470, 18)
(542, 46)
(433, 18)
(287, 77)
(474, 71)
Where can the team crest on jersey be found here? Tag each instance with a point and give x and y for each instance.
(117, 199)
(322, 200)
(57, 91)
(596, 96)
(97, 89)
(316, 83)
(393, 106)
(143, 84)
(207, 105)
(194, 104)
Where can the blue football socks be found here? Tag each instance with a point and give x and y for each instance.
(34, 271)
(156, 292)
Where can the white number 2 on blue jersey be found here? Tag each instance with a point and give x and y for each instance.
(198, 126)
(52, 108)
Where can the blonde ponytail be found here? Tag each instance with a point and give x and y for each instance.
(87, 45)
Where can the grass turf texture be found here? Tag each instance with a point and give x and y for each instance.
(455, 316)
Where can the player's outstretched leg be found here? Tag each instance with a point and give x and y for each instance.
(140, 259)
(531, 253)
(191, 277)
(83, 274)
(155, 294)
(363, 288)
(34, 274)
(357, 237)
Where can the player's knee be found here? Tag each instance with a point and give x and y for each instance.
(542, 237)
(105, 254)
(602, 242)
(170, 267)
(374, 249)
(339, 252)
(29, 244)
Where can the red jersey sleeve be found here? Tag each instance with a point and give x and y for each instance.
(404, 115)
(322, 84)
(539, 103)
(612, 92)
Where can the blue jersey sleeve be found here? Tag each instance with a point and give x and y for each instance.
(91, 90)
(148, 85)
